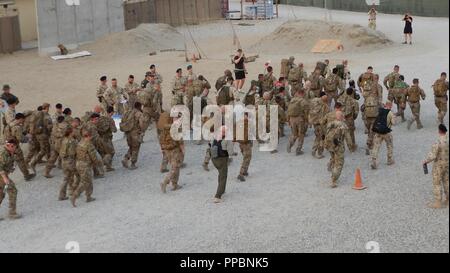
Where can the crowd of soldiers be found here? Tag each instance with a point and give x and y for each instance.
(326, 101)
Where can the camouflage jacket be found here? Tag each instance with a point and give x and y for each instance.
(6, 161)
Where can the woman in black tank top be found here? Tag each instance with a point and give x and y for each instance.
(239, 69)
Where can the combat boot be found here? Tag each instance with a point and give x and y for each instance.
(90, 199)
(329, 167)
(391, 162)
(410, 122)
(241, 178)
(63, 198)
(217, 200)
(435, 205)
(1, 219)
(164, 187)
(125, 163)
(30, 176)
(110, 169)
(205, 167)
(373, 166)
(13, 215)
(183, 165)
(320, 156)
(289, 148)
(47, 174)
(333, 184)
(313, 153)
(133, 166)
(299, 152)
(419, 126)
(367, 151)
(245, 174)
(274, 152)
(164, 170)
(176, 187)
(446, 203)
(73, 200)
(99, 176)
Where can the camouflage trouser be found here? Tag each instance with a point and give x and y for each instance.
(336, 163)
(134, 144)
(295, 85)
(441, 105)
(109, 152)
(44, 145)
(246, 150)
(298, 132)
(33, 149)
(174, 158)
(378, 140)
(207, 156)
(54, 155)
(440, 180)
(71, 178)
(19, 158)
(84, 170)
(369, 126)
(351, 129)
(415, 110)
(165, 161)
(332, 96)
(12, 195)
(318, 141)
(400, 100)
(316, 92)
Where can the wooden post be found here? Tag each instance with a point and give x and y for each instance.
(277, 7)
(242, 9)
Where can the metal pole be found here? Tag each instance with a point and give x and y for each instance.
(242, 9)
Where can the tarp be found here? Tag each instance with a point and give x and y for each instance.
(71, 56)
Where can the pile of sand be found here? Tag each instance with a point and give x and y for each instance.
(301, 36)
(144, 39)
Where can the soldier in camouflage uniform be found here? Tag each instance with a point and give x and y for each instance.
(268, 80)
(6, 184)
(57, 135)
(317, 82)
(58, 112)
(332, 85)
(41, 129)
(68, 153)
(113, 96)
(10, 114)
(67, 113)
(222, 81)
(106, 127)
(394, 95)
(178, 88)
(296, 77)
(439, 157)
(440, 88)
(351, 111)
(383, 133)
(225, 94)
(297, 115)
(101, 91)
(91, 127)
(336, 134)
(399, 92)
(413, 96)
(33, 143)
(318, 109)
(373, 98)
(246, 146)
(86, 158)
(16, 132)
(131, 89)
(134, 136)
(172, 150)
(158, 77)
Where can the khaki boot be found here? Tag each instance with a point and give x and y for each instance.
(47, 174)
(164, 187)
(241, 178)
(176, 187)
(73, 200)
(133, 166)
(13, 215)
(408, 126)
(435, 205)
(205, 167)
(289, 148)
(90, 199)
(299, 152)
(125, 163)
(333, 184)
(29, 177)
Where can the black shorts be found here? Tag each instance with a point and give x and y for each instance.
(408, 30)
(240, 75)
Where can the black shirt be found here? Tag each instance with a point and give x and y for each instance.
(240, 64)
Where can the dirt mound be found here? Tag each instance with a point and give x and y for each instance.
(301, 36)
(141, 40)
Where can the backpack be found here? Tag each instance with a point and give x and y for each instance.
(340, 71)
(330, 84)
(366, 82)
(315, 82)
(221, 82)
(223, 98)
(315, 111)
(145, 98)
(371, 107)
(294, 74)
(284, 67)
(294, 108)
(127, 122)
(440, 88)
(166, 141)
(380, 125)
(329, 142)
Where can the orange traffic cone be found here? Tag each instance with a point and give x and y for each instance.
(358, 182)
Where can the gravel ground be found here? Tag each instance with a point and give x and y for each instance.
(286, 205)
